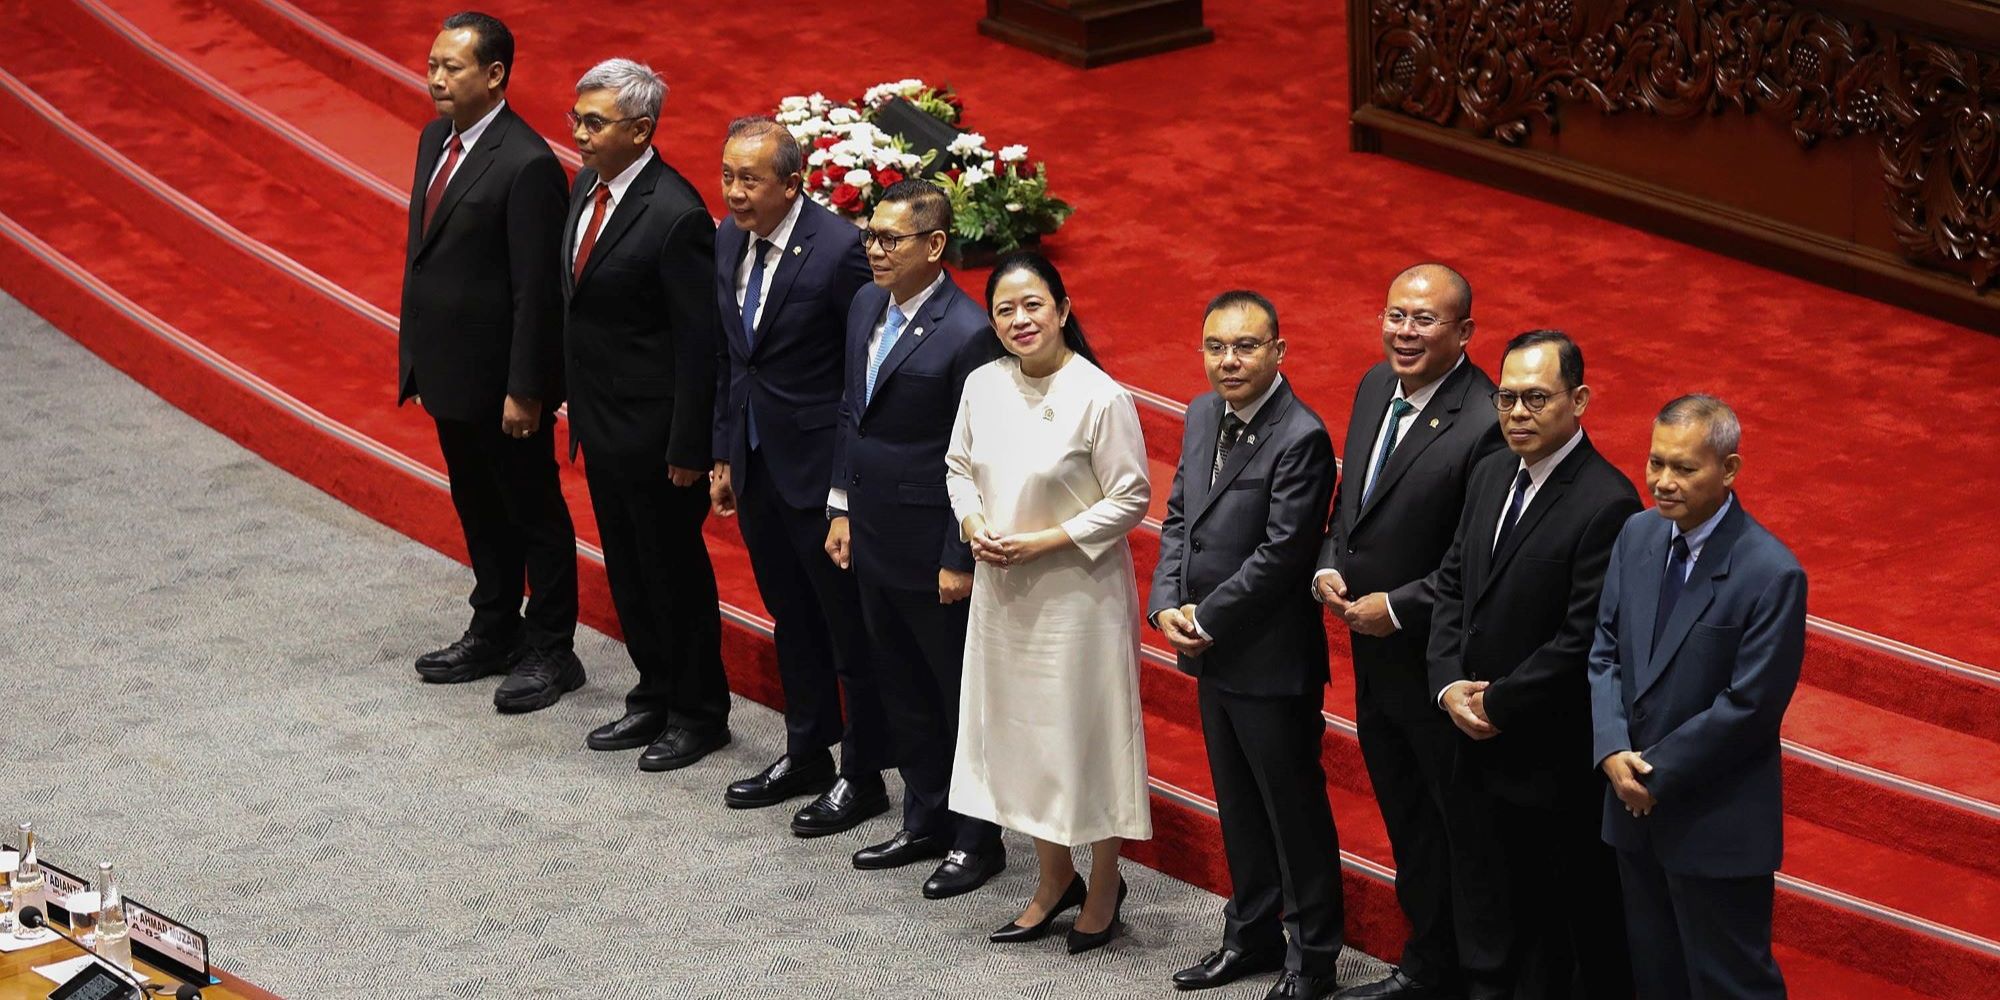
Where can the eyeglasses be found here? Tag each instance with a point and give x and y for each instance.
(1422, 323)
(890, 241)
(1245, 349)
(593, 124)
(1534, 399)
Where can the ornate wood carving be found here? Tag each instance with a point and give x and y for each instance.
(1500, 68)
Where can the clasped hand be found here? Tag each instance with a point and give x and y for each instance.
(1465, 704)
(1010, 550)
(1368, 615)
(1177, 624)
(1625, 768)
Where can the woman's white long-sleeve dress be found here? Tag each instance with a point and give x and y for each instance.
(1050, 741)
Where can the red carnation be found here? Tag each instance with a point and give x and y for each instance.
(886, 176)
(847, 198)
(953, 173)
(1024, 169)
(825, 142)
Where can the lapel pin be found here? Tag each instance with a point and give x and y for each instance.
(1252, 439)
(1434, 423)
(1048, 413)
(916, 331)
(798, 250)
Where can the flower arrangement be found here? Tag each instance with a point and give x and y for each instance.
(1000, 200)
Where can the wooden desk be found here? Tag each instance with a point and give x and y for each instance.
(20, 981)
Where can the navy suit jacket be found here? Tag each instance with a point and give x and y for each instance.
(789, 374)
(889, 454)
(641, 334)
(1703, 706)
(1242, 550)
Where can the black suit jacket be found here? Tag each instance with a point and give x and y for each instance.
(1523, 618)
(1703, 706)
(641, 330)
(482, 310)
(1242, 550)
(792, 372)
(1395, 541)
(889, 454)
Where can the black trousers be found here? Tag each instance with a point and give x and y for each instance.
(1455, 900)
(1277, 828)
(1699, 938)
(509, 498)
(1564, 896)
(919, 648)
(664, 589)
(822, 644)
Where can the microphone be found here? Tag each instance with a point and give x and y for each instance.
(32, 918)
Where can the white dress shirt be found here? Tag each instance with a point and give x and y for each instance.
(1538, 474)
(1698, 537)
(466, 139)
(780, 238)
(617, 185)
(836, 497)
(1417, 400)
(1246, 413)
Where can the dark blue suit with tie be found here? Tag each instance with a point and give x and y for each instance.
(890, 460)
(776, 404)
(1702, 705)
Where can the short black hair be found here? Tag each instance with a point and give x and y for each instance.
(495, 43)
(1569, 357)
(930, 207)
(1243, 298)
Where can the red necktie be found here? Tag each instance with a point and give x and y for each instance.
(436, 192)
(603, 198)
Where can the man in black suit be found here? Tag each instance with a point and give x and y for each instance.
(912, 338)
(481, 351)
(1232, 594)
(786, 271)
(1511, 626)
(642, 335)
(1700, 638)
(1421, 421)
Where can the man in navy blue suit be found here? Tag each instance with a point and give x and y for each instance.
(912, 338)
(786, 271)
(1700, 636)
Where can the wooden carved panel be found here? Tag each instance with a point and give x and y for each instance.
(1499, 69)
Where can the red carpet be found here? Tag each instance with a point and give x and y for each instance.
(1891, 780)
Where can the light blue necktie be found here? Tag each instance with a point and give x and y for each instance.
(1397, 407)
(891, 330)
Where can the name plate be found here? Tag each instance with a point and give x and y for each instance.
(167, 944)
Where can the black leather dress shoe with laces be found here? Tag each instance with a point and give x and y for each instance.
(469, 659)
(787, 777)
(1224, 966)
(677, 748)
(541, 679)
(628, 732)
(849, 803)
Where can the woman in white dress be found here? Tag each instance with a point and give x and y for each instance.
(1047, 474)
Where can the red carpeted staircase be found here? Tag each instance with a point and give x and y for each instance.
(210, 195)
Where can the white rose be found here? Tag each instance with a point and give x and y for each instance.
(843, 116)
(967, 142)
(793, 103)
(1013, 154)
(858, 178)
(974, 176)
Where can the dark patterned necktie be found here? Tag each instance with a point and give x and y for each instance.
(1232, 428)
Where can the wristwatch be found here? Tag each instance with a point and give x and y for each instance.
(834, 512)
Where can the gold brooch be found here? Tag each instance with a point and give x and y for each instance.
(1048, 413)
(1434, 423)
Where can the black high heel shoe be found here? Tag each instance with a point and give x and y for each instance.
(1014, 933)
(1080, 942)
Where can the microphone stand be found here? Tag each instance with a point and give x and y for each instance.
(33, 919)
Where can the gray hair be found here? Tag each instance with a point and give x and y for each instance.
(788, 158)
(1724, 435)
(640, 90)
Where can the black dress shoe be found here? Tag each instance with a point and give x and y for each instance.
(1014, 932)
(469, 659)
(902, 849)
(541, 679)
(1079, 942)
(1397, 986)
(787, 776)
(677, 748)
(964, 871)
(1224, 966)
(1299, 986)
(634, 729)
(846, 805)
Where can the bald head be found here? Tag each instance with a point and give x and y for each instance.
(1426, 323)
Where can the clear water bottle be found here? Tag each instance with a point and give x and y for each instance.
(29, 884)
(114, 938)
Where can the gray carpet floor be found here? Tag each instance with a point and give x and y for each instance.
(208, 664)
